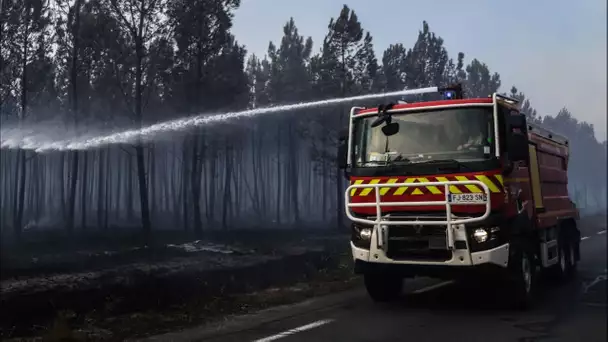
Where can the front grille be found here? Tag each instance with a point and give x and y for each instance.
(422, 243)
(396, 252)
(416, 231)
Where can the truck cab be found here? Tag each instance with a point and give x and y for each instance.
(451, 189)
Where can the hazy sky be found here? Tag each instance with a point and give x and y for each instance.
(552, 50)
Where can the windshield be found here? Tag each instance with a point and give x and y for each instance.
(461, 134)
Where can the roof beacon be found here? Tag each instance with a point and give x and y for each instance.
(452, 92)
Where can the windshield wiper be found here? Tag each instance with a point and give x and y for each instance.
(446, 161)
(401, 158)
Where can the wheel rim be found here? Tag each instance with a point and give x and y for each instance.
(526, 272)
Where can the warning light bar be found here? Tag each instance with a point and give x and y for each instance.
(451, 92)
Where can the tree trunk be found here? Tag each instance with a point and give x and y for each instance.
(119, 187)
(74, 98)
(278, 180)
(83, 190)
(129, 180)
(293, 174)
(100, 186)
(184, 186)
(62, 185)
(211, 174)
(139, 149)
(227, 195)
(195, 185)
(18, 223)
(107, 205)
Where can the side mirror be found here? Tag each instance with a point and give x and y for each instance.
(517, 121)
(517, 137)
(518, 147)
(390, 129)
(379, 121)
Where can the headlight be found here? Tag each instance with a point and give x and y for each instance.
(365, 234)
(480, 235)
(484, 238)
(361, 235)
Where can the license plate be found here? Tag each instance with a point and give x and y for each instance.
(468, 198)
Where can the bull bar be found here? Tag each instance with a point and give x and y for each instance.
(381, 223)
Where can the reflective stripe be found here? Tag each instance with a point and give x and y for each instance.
(499, 178)
(401, 190)
(431, 188)
(493, 182)
(366, 191)
(470, 187)
(485, 180)
(353, 191)
(383, 191)
(453, 188)
(417, 191)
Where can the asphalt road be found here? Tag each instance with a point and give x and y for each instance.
(433, 311)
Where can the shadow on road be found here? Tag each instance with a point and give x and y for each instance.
(487, 297)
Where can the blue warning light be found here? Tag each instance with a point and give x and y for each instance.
(448, 95)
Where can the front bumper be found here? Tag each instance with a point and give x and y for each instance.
(498, 256)
(462, 263)
(466, 254)
(489, 263)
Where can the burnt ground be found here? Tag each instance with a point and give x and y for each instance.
(115, 287)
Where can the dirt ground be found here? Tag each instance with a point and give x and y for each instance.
(112, 289)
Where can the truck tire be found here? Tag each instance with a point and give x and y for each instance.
(560, 270)
(523, 277)
(383, 287)
(563, 270)
(571, 262)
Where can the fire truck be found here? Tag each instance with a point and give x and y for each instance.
(457, 188)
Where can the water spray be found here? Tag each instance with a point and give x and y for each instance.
(24, 140)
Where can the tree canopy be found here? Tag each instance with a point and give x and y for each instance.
(103, 64)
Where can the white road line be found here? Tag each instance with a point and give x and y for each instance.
(295, 330)
(432, 287)
(597, 280)
(601, 232)
(584, 238)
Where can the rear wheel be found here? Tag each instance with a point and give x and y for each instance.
(561, 268)
(383, 287)
(566, 265)
(571, 263)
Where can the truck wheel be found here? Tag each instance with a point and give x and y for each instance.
(563, 255)
(571, 259)
(561, 270)
(383, 287)
(522, 269)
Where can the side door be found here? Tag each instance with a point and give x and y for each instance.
(522, 177)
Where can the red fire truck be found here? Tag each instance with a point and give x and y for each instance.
(457, 188)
